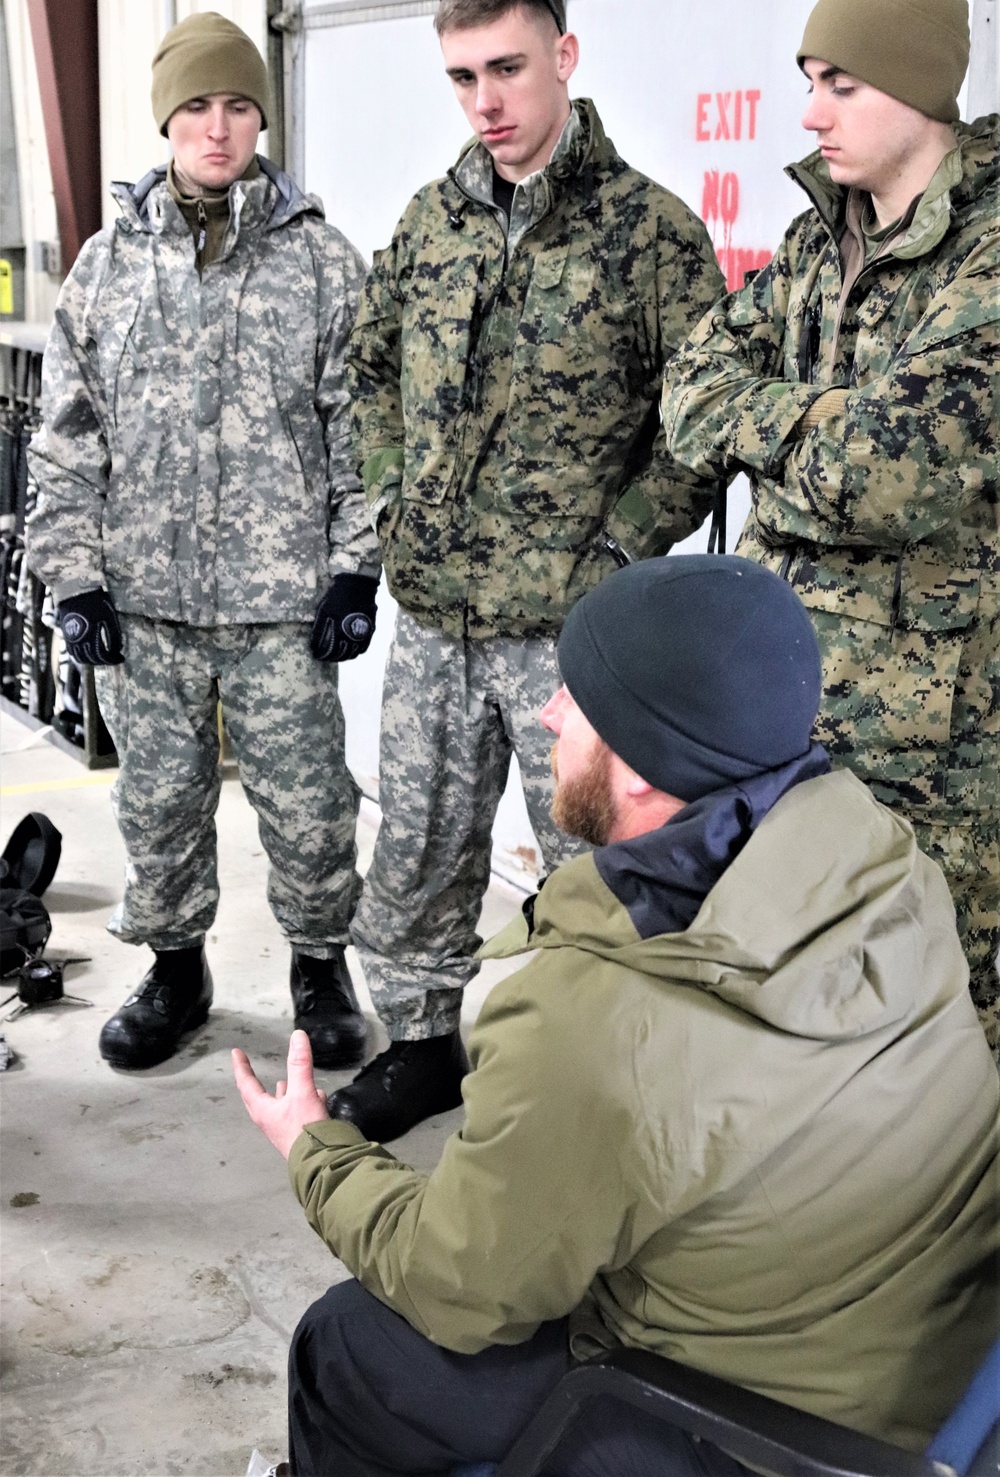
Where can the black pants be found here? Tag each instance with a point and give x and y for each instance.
(368, 1396)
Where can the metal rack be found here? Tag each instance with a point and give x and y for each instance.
(39, 685)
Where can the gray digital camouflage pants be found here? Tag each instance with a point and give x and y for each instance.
(453, 713)
(284, 719)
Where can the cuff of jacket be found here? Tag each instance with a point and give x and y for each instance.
(830, 403)
(327, 1133)
(765, 429)
(380, 470)
(631, 521)
(346, 564)
(66, 589)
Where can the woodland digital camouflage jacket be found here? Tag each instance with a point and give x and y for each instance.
(506, 389)
(886, 516)
(195, 453)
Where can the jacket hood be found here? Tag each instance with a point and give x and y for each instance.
(663, 877)
(289, 200)
(964, 187)
(809, 929)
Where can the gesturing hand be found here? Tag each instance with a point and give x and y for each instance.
(294, 1104)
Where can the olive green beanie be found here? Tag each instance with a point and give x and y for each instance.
(915, 50)
(205, 54)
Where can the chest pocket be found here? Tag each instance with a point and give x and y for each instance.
(583, 367)
(892, 633)
(440, 332)
(883, 321)
(438, 322)
(575, 315)
(124, 363)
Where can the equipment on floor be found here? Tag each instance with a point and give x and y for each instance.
(40, 982)
(25, 927)
(32, 853)
(27, 867)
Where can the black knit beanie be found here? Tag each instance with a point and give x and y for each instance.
(697, 670)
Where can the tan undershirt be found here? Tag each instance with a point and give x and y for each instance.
(207, 214)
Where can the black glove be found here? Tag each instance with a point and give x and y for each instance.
(90, 629)
(345, 620)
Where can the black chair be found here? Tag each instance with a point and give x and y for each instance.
(760, 1431)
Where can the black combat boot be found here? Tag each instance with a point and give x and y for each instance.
(326, 1008)
(173, 998)
(402, 1086)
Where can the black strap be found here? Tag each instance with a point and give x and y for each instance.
(717, 536)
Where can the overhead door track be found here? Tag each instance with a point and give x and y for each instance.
(348, 13)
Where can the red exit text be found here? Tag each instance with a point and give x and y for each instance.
(726, 115)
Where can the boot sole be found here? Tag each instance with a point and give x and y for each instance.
(138, 1061)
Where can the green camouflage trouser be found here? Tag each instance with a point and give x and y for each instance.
(453, 713)
(967, 848)
(284, 719)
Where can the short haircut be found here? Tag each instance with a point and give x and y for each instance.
(460, 15)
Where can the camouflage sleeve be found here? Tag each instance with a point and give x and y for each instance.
(909, 450)
(663, 501)
(68, 455)
(725, 406)
(374, 367)
(353, 545)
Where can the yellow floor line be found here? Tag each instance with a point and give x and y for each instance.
(103, 777)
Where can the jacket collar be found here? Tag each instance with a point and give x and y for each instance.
(819, 926)
(582, 142)
(961, 179)
(272, 200)
(663, 877)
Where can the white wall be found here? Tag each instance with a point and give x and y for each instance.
(38, 206)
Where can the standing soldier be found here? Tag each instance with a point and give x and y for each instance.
(856, 379)
(204, 536)
(506, 370)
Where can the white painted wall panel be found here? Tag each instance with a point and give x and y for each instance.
(38, 206)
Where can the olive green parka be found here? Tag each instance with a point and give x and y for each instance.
(766, 1146)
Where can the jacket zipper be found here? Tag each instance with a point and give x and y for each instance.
(202, 233)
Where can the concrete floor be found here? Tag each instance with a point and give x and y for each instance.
(155, 1260)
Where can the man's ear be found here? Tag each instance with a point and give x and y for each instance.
(626, 781)
(567, 56)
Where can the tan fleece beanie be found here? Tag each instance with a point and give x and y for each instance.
(915, 50)
(206, 54)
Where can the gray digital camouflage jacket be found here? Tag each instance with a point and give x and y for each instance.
(886, 515)
(195, 453)
(506, 385)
